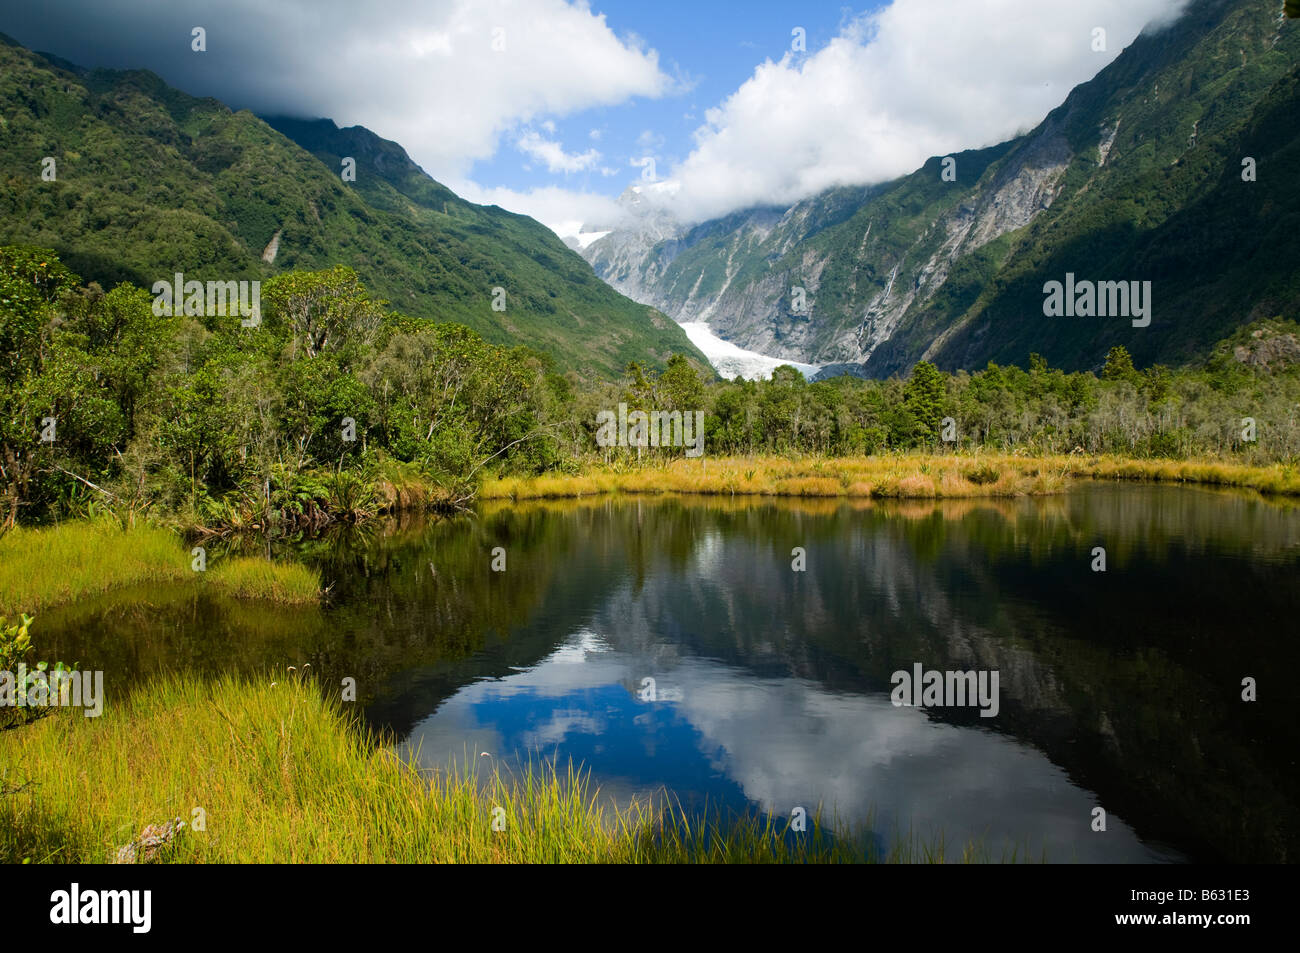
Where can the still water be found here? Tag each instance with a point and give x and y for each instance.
(669, 645)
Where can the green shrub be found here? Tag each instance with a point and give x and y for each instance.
(983, 475)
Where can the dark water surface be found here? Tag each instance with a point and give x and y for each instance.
(772, 687)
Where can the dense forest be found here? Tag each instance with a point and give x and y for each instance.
(334, 405)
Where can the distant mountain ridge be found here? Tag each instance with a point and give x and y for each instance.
(151, 181)
(1137, 175)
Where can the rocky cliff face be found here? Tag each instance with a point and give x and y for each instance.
(1136, 176)
(711, 272)
(618, 257)
(1007, 199)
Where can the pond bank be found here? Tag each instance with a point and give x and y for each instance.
(54, 565)
(903, 476)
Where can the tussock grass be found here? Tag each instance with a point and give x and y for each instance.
(402, 486)
(285, 776)
(888, 476)
(901, 476)
(1280, 478)
(246, 577)
(49, 566)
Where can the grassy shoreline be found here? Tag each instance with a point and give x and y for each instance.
(900, 476)
(50, 566)
(283, 775)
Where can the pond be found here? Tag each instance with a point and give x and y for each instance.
(671, 644)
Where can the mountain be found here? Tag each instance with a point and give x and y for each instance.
(617, 252)
(151, 181)
(1137, 176)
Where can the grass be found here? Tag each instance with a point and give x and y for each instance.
(284, 776)
(879, 477)
(247, 577)
(53, 565)
(888, 476)
(1281, 479)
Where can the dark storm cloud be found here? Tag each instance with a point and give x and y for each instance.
(254, 50)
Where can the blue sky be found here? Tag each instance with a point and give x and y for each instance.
(708, 47)
(548, 120)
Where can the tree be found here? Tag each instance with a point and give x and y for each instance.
(680, 385)
(73, 367)
(782, 404)
(324, 309)
(1119, 365)
(925, 397)
(642, 389)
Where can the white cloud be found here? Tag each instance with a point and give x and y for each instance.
(425, 74)
(563, 211)
(451, 108)
(916, 79)
(552, 153)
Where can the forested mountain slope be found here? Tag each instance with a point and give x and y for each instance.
(149, 181)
